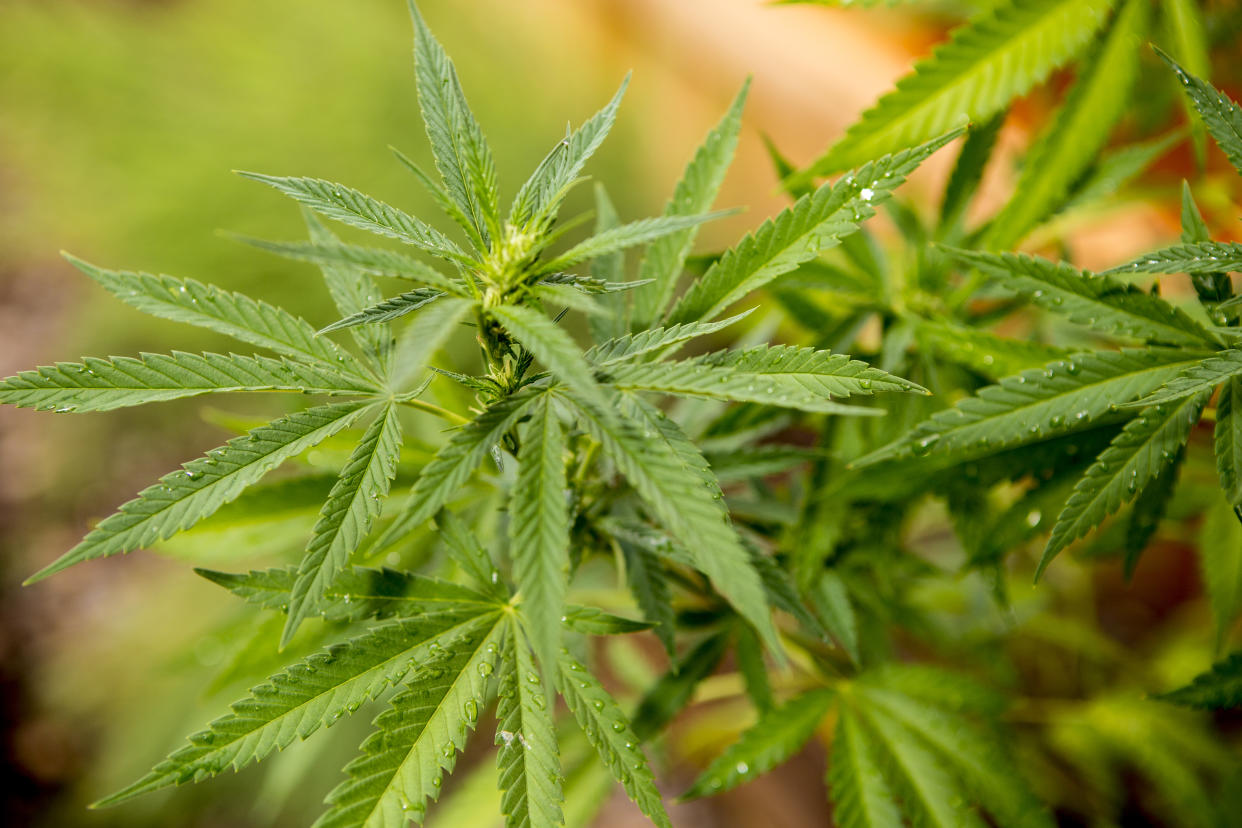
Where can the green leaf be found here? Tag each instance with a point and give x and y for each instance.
(781, 375)
(1117, 168)
(985, 353)
(1220, 688)
(776, 737)
(748, 653)
(673, 691)
(861, 798)
(831, 599)
(1148, 443)
(234, 314)
(608, 269)
(387, 310)
(694, 193)
(442, 478)
(996, 57)
(1149, 510)
(982, 763)
(464, 547)
(347, 205)
(1220, 563)
(1100, 302)
(630, 347)
(541, 195)
(813, 224)
(624, 236)
(461, 152)
(1228, 439)
(418, 739)
(357, 593)
(117, 382)
(376, 260)
(425, 335)
(313, 693)
(182, 498)
(528, 760)
(968, 171)
(927, 791)
(1200, 257)
(1222, 116)
(352, 289)
(1099, 98)
(675, 482)
(1035, 405)
(1199, 376)
(346, 517)
(1187, 31)
(539, 529)
(609, 732)
(552, 346)
(592, 621)
(1211, 287)
(649, 584)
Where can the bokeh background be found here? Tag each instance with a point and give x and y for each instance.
(120, 121)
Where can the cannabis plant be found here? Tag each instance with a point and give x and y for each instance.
(601, 470)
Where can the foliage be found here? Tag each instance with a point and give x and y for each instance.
(581, 446)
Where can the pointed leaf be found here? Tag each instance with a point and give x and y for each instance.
(1148, 443)
(776, 737)
(182, 498)
(1222, 116)
(608, 731)
(1203, 375)
(376, 260)
(1220, 688)
(316, 692)
(387, 310)
(234, 314)
(1101, 302)
(442, 478)
(117, 382)
(608, 268)
(528, 760)
(403, 762)
(1220, 563)
(461, 152)
(694, 193)
(983, 352)
(347, 205)
(346, 517)
(673, 479)
(631, 346)
(352, 289)
(357, 593)
(861, 798)
(1099, 98)
(996, 57)
(1035, 405)
(781, 375)
(539, 529)
(1228, 440)
(541, 195)
(815, 223)
(1200, 257)
(624, 236)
